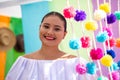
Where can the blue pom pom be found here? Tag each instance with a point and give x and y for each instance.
(102, 78)
(114, 66)
(102, 36)
(80, 15)
(74, 44)
(118, 64)
(111, 53)
(111, 18)
(91, 68)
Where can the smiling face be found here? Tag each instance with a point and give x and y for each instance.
(52, 30)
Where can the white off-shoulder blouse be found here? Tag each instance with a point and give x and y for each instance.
(31, 69)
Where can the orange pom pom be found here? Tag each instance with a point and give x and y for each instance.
(91, 25)
(118, 43)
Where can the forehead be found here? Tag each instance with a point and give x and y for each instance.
(53, 20)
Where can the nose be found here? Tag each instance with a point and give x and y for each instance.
(50, 32)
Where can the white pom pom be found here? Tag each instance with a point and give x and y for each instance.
(99, 14)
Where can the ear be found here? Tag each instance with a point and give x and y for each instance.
(64, 34)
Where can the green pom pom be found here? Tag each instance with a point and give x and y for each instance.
(102, 78)
(117, 14)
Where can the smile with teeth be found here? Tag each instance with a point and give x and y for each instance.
(49, 38)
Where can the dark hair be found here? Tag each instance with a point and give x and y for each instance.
(59, 15)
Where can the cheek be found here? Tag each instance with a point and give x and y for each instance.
(61, 36)
(40, 34)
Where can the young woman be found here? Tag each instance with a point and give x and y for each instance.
(48, 63)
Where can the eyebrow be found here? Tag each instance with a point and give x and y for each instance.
(54, 25)
(58, 26)
(46, 23)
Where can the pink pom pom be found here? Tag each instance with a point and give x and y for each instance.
(108, 31)
(96, 54)
(115, 75)
(81, 69)
(111, 42)
(69, 12)
(85, 42)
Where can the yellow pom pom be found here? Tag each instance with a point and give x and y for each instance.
(105, 7)
(91, 25)
(106, 60)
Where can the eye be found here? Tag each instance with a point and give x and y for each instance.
(57, 29)
(46, 26)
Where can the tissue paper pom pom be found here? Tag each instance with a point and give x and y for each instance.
(91, 25)
(118, 64)
(80, 15)
(111, 42)
(105, 7)
(102, 78)
(106, 60)
(111, 18)
(99, 14)
(117, 14)
(96, 54)
(81, 69)
(114, 66)
(85, 42)
(115, 75)
(69, 12)
(102, 36)
(91, 68)
(111, 53)
(118, 43)
(108, 31)
(74, 44)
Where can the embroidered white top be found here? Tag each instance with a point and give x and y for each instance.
(31, 69)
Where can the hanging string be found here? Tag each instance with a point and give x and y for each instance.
(71, 24)
(119, 20)
(107, 27)
(89, 9)
(109, 44)
(99, 67)
(78, 3)
(104, 46)
(101, 29)
(104, 1)
(110, 4)
(78, 55)
(68, 4)
(118, 5)
(94, 42)
(119, 27)
(93, 36)
(110, 73)
(110, 11)
(89, 56)
(83, 32)
(97, 3)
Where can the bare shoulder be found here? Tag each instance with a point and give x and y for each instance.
(69, 56)
(31, 55)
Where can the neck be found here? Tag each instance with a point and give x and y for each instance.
(49, 52)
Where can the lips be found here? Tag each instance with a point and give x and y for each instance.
(49, 38)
